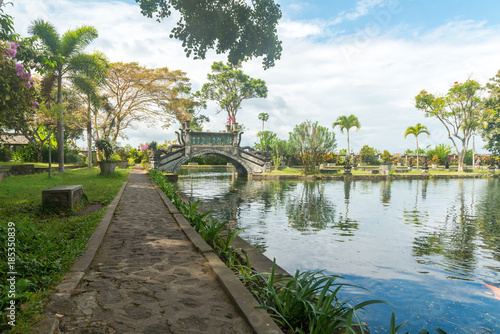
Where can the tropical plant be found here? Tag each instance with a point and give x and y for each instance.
(61, 50)
(307, 302)
(386, 157)
(347, 122)
(311, 142)
(264, 117)
(105, 146)
(416, 131)
(266, 139)
(442, 151)
(461, 112)
(229, 87)
(279, 148)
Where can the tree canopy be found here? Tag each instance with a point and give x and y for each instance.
(229, 87)
(460, 111)
(491, 130)
(312, 142)
(136, 93)
(241, 28)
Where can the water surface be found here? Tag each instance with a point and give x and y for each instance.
(426, 246)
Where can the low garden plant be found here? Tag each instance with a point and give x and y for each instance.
(46, 242)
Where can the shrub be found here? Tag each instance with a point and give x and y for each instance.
(367, 155)
(387, 157)
(442, 151)
(5, 153)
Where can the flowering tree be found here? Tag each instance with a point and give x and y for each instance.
(17, 94)
(460, 111)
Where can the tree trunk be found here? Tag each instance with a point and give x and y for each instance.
(89, 143)
(60, 124)
(417, 152)
(348, 149)
(89, 135)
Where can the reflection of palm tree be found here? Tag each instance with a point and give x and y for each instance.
(386, 191)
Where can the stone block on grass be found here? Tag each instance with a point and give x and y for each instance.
(62, 197)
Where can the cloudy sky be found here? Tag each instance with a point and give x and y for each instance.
(369, 58)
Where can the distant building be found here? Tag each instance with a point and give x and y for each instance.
(13, 141)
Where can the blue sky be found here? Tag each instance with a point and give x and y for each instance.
(366, 57)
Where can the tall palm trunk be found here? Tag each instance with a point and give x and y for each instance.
(60, 124)
(89, 135)
(348, 149)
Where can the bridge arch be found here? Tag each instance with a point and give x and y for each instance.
(241, 167)
(246, 160)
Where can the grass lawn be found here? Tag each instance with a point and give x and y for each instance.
(46, 243)
(37, 164)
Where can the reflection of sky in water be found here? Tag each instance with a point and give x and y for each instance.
(424, 246)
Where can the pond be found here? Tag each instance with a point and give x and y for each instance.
(429, 247)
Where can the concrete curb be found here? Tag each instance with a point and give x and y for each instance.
(75, 274)
(258, 319)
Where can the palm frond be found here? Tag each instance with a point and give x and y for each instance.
(47, 34)
(74, 41)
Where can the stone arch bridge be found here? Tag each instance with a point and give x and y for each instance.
(246, 160)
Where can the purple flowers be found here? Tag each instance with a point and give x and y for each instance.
(13, 49)
(20, 69)
(34, 104)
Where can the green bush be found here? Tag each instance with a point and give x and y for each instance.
(368, 155)
(5, 153)
(442, 151)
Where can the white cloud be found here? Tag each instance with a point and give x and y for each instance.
(320, 76)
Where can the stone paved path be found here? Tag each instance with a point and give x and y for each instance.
(147, 278)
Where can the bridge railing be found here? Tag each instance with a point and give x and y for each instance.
(212, 138)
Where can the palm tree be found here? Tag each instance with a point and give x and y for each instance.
(347, 123)
(89, 71)
(61, 49)
(416, 131)
(264, 117)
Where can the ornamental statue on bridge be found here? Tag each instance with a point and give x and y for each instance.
(246, 160)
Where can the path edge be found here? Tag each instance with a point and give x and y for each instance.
(81, 265)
